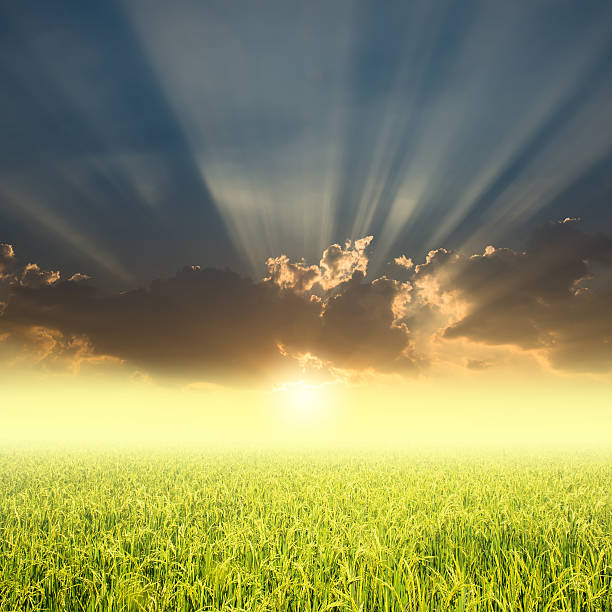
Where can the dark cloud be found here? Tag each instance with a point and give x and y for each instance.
(199, 323)
(210, 324)
(555, 295)
(361, 329)
(207, 324)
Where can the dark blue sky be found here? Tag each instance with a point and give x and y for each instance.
(141, 136)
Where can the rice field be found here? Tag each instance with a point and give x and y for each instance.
(313, 531)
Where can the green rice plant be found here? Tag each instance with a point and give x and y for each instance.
(134, 531)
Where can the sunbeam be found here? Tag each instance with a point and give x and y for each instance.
(406, 140)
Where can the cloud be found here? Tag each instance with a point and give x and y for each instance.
(7, 258)
(404, 262)
(477, 364)
(199, 322)
(338, 265)
(555, 296)
(292, 275)
(32, 276)
(213, 325)
(32, 346)
(553, 300)
(360, 328)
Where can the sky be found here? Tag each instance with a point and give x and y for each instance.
(328, 222)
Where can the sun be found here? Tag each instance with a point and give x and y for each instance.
(305, 397)
(301, 399)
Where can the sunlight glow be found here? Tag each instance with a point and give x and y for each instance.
(301, 399)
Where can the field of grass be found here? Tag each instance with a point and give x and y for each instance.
(137, 531)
